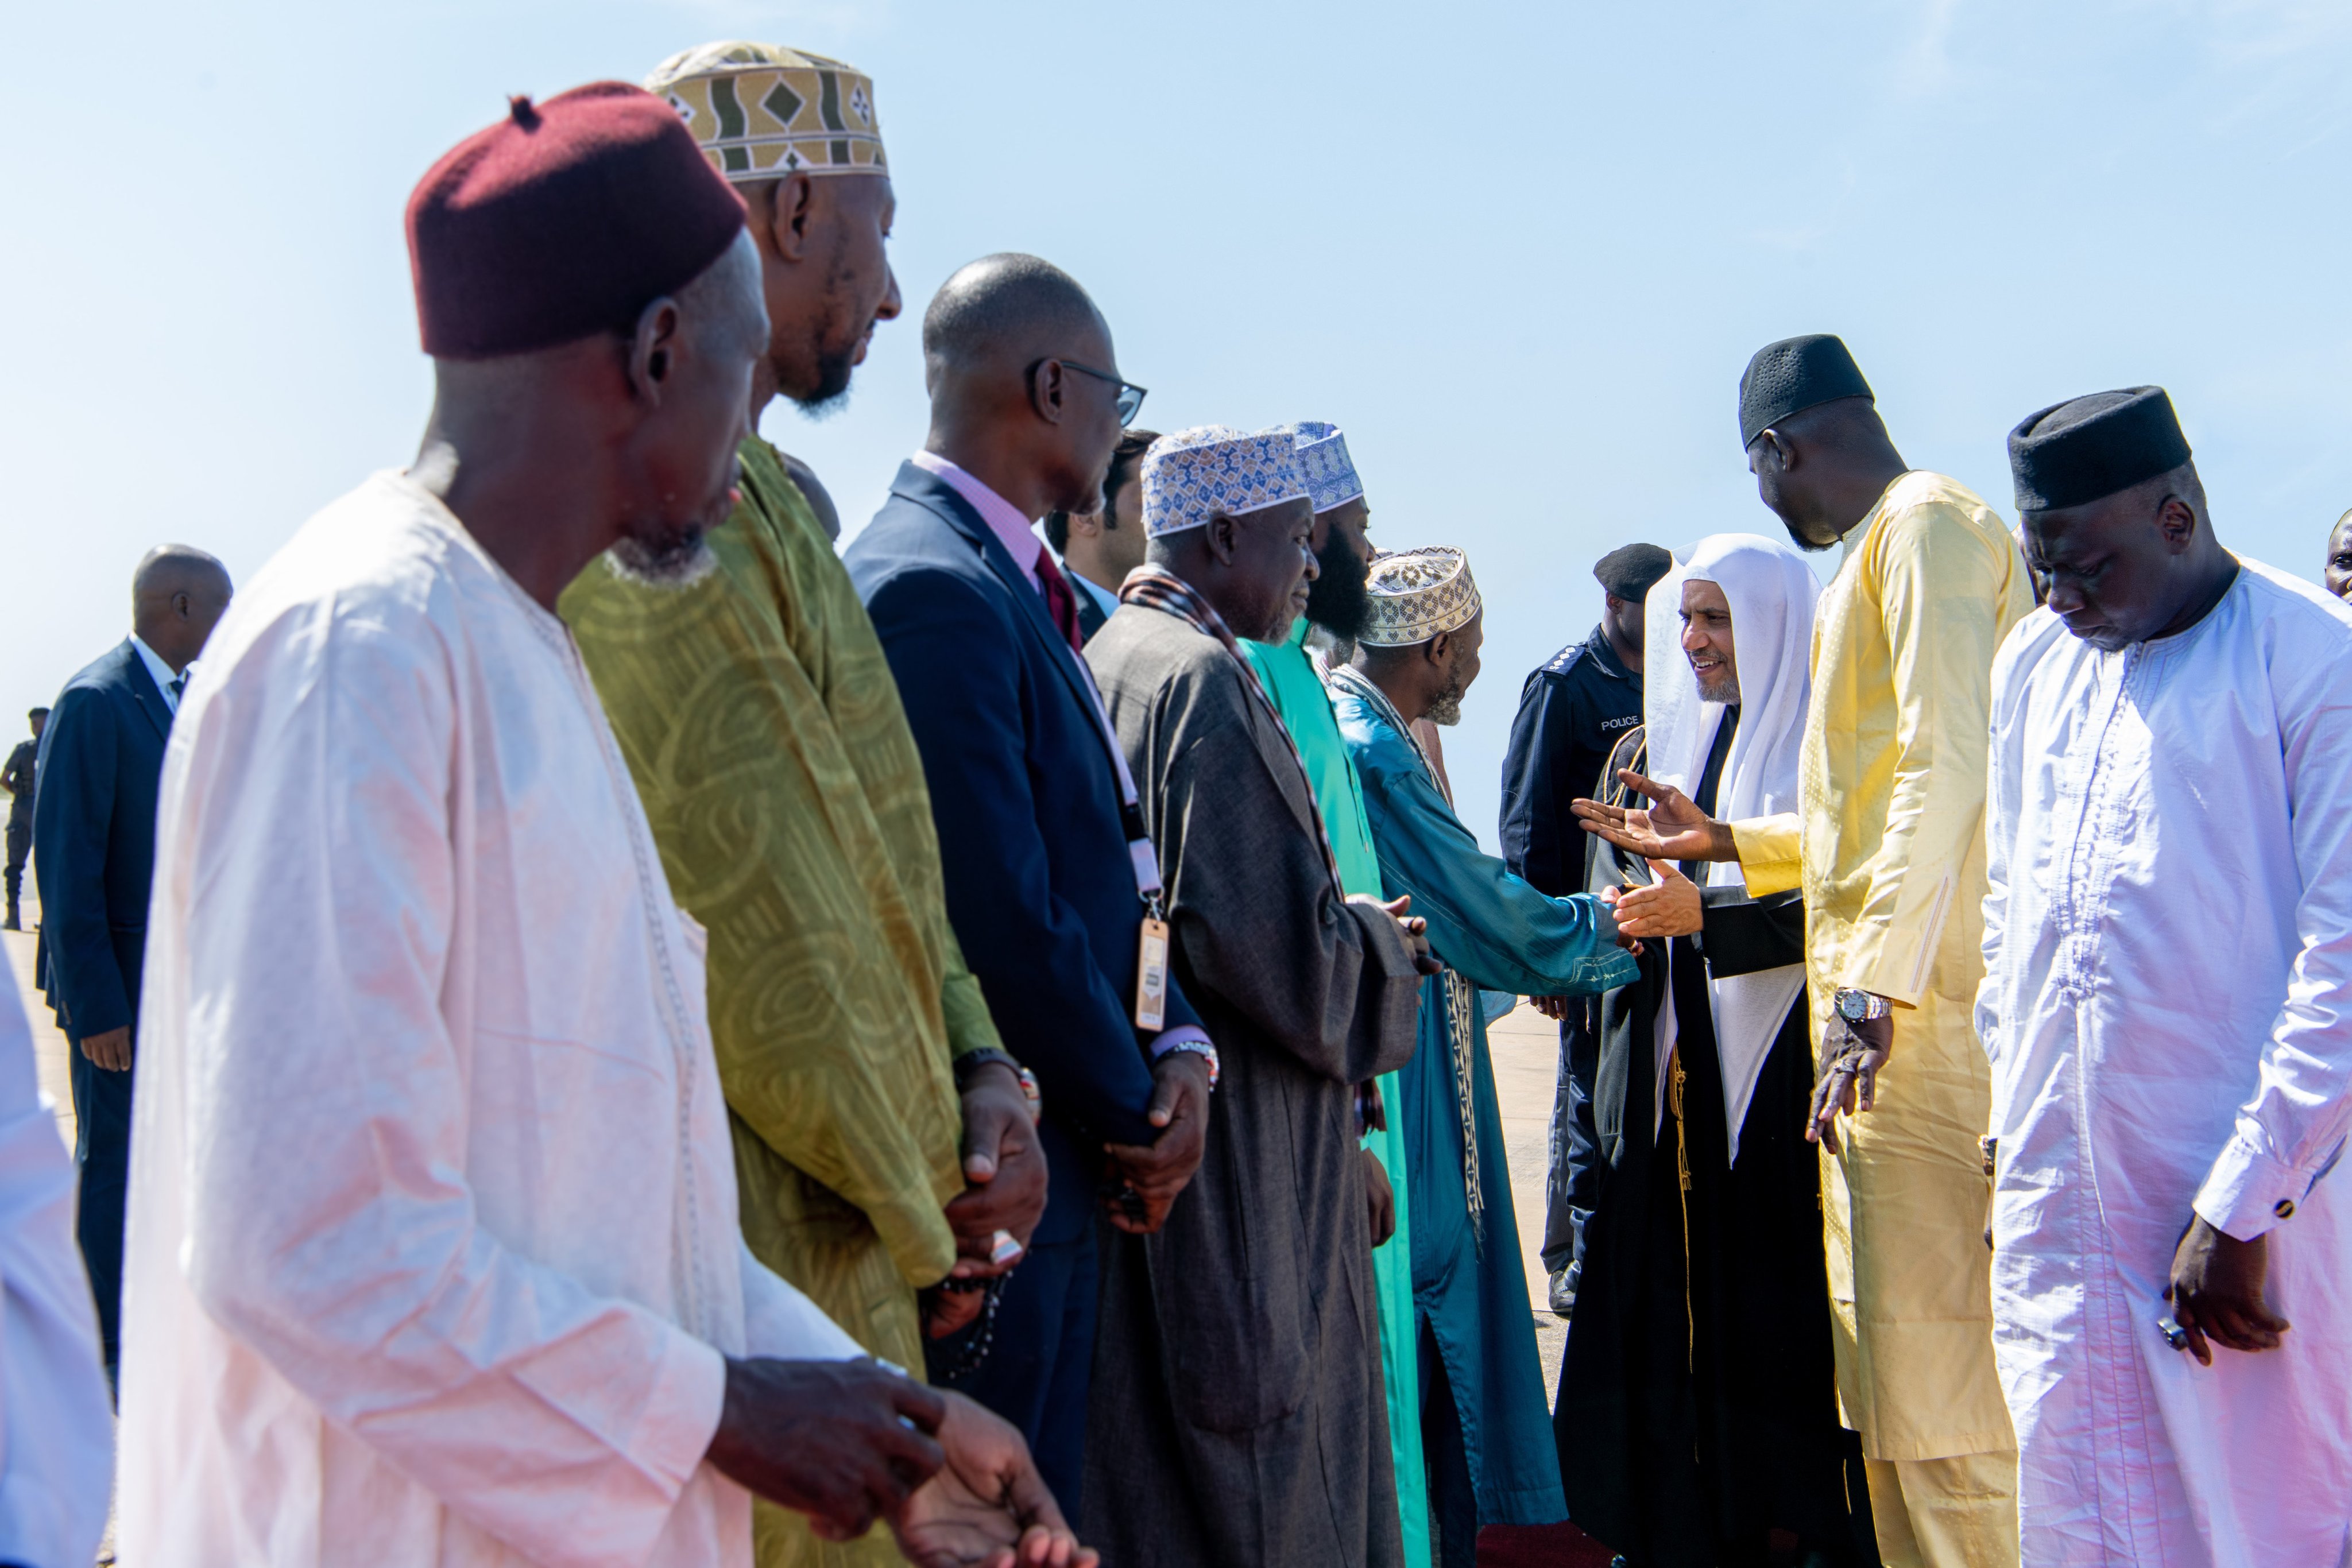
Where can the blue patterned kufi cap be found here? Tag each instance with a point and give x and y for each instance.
(1323, 456)
(1418, 594)
(1190, 476)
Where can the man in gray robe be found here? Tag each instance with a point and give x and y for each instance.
(1238, 1412)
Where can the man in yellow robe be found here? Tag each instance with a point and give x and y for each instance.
(879, 1129)
(1889, 850)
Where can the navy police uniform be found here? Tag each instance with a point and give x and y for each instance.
(1572, 711)
(18, 778)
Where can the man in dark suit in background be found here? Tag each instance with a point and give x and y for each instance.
(101, 760)
(1049, 874)
(1097, 550)
(23, 765)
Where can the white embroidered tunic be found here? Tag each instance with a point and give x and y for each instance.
(433, 1250)
(2167, 948)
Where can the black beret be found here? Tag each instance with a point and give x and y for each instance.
(2076, 452)
(1795, 373)
(1629, 571)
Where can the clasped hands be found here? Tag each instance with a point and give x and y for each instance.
(850, 1442)
(1005, 1192)
(1145, 1178)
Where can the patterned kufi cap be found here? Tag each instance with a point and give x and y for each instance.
(1418, 594)
(762, 112)
(1194, 473)
(1323, 457)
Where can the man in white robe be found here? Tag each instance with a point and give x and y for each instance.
(57, 1433)
(433, 1253)
(2168, 947)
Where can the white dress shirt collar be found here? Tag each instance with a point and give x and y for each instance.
(164, 674)
(1105, 599)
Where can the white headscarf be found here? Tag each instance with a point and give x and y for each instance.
(1771, 592)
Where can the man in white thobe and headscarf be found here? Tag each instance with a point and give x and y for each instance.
(433, 1253)
(1697, 1410)
(2167, 1009)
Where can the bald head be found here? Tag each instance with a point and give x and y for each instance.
(177, 595)
(1024, 382)
(177, 568)
(1006, 310)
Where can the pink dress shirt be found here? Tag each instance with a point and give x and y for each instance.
(1012, 530)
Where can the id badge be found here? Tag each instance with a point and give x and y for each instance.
(1152, 976)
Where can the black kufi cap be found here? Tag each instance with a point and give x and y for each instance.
(2074, 453)
(1792, 374)
(1629, 571)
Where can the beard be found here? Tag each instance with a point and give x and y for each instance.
(1723, 686)
(845, 335)
(830, 394)
(1811, 547)
(1337, 600)
(1446, 710)
(661, 556)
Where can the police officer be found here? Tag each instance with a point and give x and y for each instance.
(16, 777)
(1571, 712)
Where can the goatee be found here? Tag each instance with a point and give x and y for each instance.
(664, 559)
(832, 391)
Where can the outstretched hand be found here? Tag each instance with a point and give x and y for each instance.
(1669, 907)
(2217, 1292)
(1672, 828)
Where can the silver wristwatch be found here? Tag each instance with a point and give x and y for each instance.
(1860, 1006)
(1201, 1049)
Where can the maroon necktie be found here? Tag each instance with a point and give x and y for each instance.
(1061, 603)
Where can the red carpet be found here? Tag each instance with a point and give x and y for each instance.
(1540, 1546)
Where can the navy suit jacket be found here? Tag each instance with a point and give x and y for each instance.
(102, 764)
(1040, 889)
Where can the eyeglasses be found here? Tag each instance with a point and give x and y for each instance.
(1130, 396)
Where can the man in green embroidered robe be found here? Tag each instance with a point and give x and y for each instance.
(877, 1148)
(1293, 680)
(1487, 1436)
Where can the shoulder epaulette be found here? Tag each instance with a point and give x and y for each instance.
(1562, 662)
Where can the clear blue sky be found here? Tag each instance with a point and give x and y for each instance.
(1520, 253)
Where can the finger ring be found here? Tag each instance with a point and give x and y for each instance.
(2174, 1335)
(1002, 1247)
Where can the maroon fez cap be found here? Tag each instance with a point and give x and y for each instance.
(560, 221)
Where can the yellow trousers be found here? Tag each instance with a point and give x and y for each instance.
(1958, 1513)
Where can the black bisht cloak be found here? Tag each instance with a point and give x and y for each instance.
(1697, 1413)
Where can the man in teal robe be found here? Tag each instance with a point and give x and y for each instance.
(1487, 1436)
(1293, 680)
